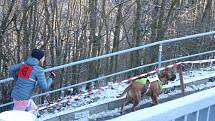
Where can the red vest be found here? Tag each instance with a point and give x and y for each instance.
(25, 71)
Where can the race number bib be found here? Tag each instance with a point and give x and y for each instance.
(25, 71)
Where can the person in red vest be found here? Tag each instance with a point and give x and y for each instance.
(28, 75)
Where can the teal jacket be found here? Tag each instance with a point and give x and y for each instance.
(24, 87)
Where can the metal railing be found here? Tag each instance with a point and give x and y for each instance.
(199, 106)
(190, 37)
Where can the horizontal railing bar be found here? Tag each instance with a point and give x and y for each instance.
(130, 50)
(6, 104)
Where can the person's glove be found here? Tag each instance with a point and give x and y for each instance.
(52, 75)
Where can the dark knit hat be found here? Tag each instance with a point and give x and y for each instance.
(37, 53)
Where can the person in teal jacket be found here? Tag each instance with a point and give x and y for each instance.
(28, 75)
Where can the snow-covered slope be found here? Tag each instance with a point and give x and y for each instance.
(110, 94)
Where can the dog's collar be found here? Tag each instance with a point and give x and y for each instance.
(153, 78)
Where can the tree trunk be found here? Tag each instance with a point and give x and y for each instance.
(94, 43)
(116, 39)
(138, 34)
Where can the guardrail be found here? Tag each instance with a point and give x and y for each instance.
(195, 107)
(118, 53)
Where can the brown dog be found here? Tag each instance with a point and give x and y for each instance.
(150, 88)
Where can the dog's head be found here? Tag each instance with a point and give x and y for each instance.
(167, 76)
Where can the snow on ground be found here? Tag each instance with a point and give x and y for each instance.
(110, 94)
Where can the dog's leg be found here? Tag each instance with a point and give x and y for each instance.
(136, 102)
(154, 99)
(137, 98)
(127, 100)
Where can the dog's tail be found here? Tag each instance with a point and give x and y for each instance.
(125, 91)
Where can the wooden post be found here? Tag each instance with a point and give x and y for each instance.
(180, 72)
